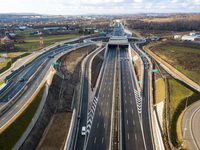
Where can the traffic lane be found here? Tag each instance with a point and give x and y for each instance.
(186, 126)
(132, 129)
(146, 105)
(195, 127)
(84, 108)
(24, 97)
(28, 73)
(100, 138)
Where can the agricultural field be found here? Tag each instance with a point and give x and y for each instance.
(33, 44)
(182, 56)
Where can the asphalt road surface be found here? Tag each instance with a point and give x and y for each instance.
(190, 127)
(84, 106)
(132, 138)
(99, 136)
(118, 30)
(146, 121)
(17, 105)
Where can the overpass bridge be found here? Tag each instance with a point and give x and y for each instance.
(118, 42)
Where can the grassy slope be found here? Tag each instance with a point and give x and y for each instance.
(178, 96)
(176, 50)
(34, 44)
(12, 134)
(160, 90)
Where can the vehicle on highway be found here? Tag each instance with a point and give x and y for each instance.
(51, 56)
(22, 79)
(83, 131)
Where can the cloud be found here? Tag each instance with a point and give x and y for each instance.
(64, 7)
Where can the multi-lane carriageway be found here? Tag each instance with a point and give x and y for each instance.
(134, 134)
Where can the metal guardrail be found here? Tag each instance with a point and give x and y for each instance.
(4, 106)
(6, 87)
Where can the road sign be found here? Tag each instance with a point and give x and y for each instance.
(55, 63)
(143, 55)
(154, 70)
(139, 82)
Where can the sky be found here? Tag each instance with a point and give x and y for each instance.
(76, 7)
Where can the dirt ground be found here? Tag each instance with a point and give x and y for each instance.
(51, 129)
(59, 125)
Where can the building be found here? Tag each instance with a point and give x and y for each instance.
(190, 38)
(177, 37)
(194, 34)
(5, 40)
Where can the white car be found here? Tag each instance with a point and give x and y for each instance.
(83, 130)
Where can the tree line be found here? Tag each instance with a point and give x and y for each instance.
(178, 25)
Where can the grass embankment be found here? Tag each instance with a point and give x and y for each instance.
(2, 82)
(33, 45)
(12, 134)
(11, 58)
(160, 90)
(185, 59)
(178, 95)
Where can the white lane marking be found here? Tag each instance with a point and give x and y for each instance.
(102, 140)
(124, 93)
(128, 82)
(135, 137)
(133, 122)
(10, 112)
(130, 94)
(124, 87)
(104, 89)
(13, 92)
(106, 113)
(131, 102)
(100, 113)
(129, 87)
(101, 103)
(3, 118)
(108, 95)
(132, 111)
(107, 103)
(104, 125)
(126, 110)
(97, 125)
(103, 95)
(128, 136)
(95, 140)
(127, 121)
(125, 101)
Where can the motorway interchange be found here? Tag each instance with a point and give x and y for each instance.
(134, 128)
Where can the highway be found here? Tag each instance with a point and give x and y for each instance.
(145, 116)
(99, 137)
(17, 105)
(83, 104)
(27, 74)
(132, 138)
(190, 127)
(118, 30)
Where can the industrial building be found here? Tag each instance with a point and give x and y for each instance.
(177, 37)
(190, 38)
